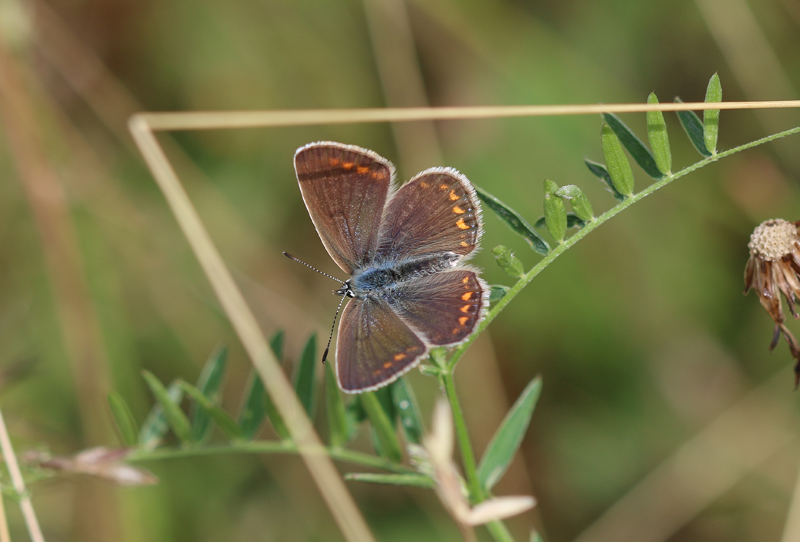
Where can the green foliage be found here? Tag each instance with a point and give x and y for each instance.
(658, 137)
(711, 116)
(405, 404)
(173, 414)
(409, 480)
(208, 384)
(514, 221)
(507, 261)
(580, 203)
(640, 153)
(304, 379)
(388, 444)
(506, 441)
(338, 426)
(617, 165)
(555, 212)
(123, 419)
(694, 129)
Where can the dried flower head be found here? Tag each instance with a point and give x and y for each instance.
(774, 269)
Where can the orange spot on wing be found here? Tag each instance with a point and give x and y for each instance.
(465, 308)
(423, 184)
(348, 165)
(461, 224)
(458, 210)
(463, 320)
(464, 244)
(453, 196)
(398, 357)
(466, 296)
(388, 364)
(334, 161)
(465, 280)
(443, 187)
(362, 170)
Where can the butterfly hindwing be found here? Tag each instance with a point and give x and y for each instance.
(374, 346)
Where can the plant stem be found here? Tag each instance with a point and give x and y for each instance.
(591, 226)
(269, 447)
(499, 531)
(467, 455)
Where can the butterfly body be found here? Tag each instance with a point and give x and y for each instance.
(405, 253)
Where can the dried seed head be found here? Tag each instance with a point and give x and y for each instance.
(773, 239)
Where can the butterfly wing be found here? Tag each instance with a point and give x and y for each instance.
(345, 190)
(444, 307)
(374, 346)
(436, 211)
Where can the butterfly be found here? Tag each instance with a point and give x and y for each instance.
(405, 251)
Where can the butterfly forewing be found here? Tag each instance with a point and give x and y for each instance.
(444, 307)
(345, 190)
(436, 211)
(374, 346)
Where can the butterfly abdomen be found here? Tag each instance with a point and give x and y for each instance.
(389, 274)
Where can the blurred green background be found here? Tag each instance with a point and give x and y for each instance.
(663, 416)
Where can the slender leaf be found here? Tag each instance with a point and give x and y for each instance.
(405, 404)
(175, 417)
(304, 380)
(536, 537)
(155, 425)
(694, 129)
(258, 403)
(600, 171)
(555, 212)
(123, 418)
(573, 221)
(411, 479)
(579, 202)
(506, 440)
(338, 426)
(514, 220)
(382, 424)
(497, 292)
(711, 116)
(619, 169)
(209, 384)
(635, 147)
(222, 419)
(507, 261)
(658, 137)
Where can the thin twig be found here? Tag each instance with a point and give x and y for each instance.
(218, 120)
(19, 484)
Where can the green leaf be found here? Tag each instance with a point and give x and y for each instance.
(536, 537)
(711, 116)
(382, 424)
(155, 425)
(514, 220)
(555, 213)
(209, 384)
(506, 440)
(619, 169)
(658, 137)
(507, 261)
(222, 419)
(600, 171)
(175, 417)
(578, 200)
(694, 129)
(304, 381)
(405, 404)
(574, 221)
(338, 426)
(411, 479)
(258, 403)
(497, 292)
(123, 418)
(638, 151)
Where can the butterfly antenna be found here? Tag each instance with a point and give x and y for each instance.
(310, 266)
(333, 326)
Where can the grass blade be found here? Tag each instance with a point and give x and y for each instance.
(304, 380)
(155, 425)
(173, 414)
(657, 135)
(222, 419)
(258, 404)
(619, 169)
(506, 440)
(123, 418)
(638, 150)
(405, 404)
(382, 424)
(694, 129)
(711, 116)
(209, 384)
(338, 426)
(600, 171)
(411, 480)
(514, 220)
